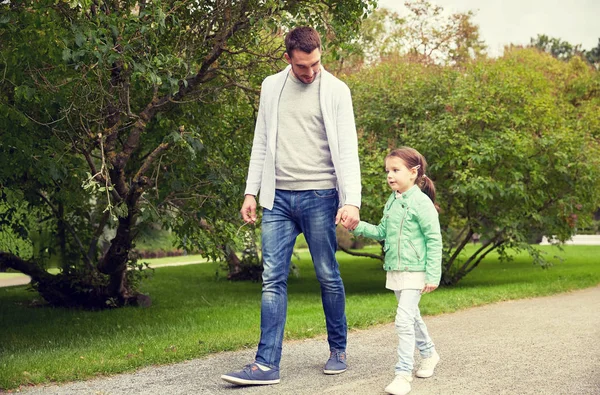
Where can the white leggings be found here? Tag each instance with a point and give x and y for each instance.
(411, 330)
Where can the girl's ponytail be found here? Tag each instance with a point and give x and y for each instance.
(428, 187)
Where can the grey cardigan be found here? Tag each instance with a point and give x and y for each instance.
(338, 117)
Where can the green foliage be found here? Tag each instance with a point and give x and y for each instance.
(116, 114)
(512, 145)
(564, 50)
(593, 55)
(556, 47)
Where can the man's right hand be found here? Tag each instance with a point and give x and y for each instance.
(248, 210)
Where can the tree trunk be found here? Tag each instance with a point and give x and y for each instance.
(87, 290)
(114, 264)
(239, 270)
(100, 287)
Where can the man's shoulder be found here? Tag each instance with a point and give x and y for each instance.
(273, 78)
(338, 86)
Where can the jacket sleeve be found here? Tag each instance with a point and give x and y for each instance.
(259, 148)
(430, 226)
(371, 231)
(348, 148)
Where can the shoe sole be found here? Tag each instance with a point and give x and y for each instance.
(334, 371)
(239, 381)
(424, 375)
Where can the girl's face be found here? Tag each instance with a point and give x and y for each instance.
(399, 177)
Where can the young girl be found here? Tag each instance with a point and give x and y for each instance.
(413, 257)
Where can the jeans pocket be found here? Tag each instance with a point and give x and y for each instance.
(325, 193)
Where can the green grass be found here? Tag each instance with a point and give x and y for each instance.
(195, 313)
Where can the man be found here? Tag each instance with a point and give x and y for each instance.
(305, 163)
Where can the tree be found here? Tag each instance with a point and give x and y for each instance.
(556, 47)
(380, 35)
(512, 144)
(431, 36)
(593, 56)
(118, 113)
(425, 34)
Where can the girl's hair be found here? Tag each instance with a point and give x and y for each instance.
(412, 158)
(304, 38)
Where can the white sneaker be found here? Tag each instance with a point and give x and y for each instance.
(428, 365)
(400, 385)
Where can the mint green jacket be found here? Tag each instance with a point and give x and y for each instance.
(411, 230)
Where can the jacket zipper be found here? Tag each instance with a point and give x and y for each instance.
(400, 237)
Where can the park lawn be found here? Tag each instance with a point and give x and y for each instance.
(195, 313)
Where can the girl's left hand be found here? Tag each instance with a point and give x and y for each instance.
(428, 288)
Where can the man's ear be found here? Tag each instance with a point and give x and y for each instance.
(287, 58)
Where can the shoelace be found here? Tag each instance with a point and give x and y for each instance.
(339, 355)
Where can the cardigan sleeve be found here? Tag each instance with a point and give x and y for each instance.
(348, 148)
(259, 148)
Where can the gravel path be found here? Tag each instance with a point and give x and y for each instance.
(548, 345)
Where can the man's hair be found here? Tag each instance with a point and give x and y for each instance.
(304, 38)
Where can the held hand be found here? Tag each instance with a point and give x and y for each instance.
(428, 288)
(248, 210)
(348, 216)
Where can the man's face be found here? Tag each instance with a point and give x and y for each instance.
(305, 66)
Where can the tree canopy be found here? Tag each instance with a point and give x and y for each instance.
(512, 145)
(425, 34)
(116, 114)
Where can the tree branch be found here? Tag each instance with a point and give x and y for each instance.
(149, 160)
(98, 176)
(476, 253)
(11, 261)
(462, 245)
(203, 75)
(94, 242)
(363, 254)
(496, 245)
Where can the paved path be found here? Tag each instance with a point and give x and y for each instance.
(548, 345)
(22, 279)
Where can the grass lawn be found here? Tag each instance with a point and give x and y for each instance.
(195, 313)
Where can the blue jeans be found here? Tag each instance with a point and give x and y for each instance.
(411, 330)
(312, 213)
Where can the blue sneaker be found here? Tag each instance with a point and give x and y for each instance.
(252, 375)
(336, 363)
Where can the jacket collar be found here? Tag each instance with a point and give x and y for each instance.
(410, 192)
